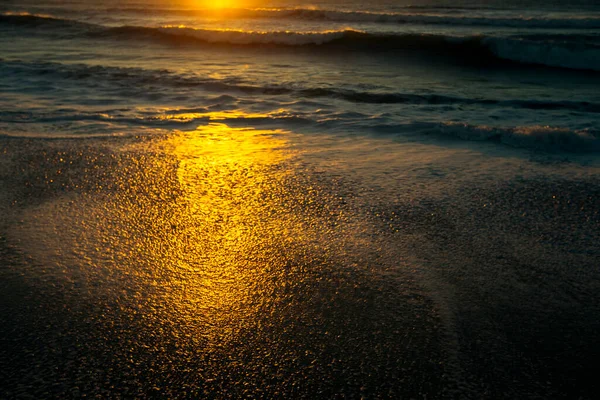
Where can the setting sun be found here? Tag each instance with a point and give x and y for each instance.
(221, 4)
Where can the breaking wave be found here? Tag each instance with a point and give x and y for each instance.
(570, 51)
(548, 139)
(538, 138)
(544, 138)
(121, 77)
(424, 15)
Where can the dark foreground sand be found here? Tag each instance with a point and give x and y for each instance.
(141, 271)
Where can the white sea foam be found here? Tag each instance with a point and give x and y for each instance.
(544, 138)
(564, 55)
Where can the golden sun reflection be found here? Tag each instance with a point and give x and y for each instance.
(221, 4)
(218, 236)
(212, 250)
(219, 262)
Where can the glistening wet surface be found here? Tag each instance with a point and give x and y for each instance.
(233, 262)
(205, 264)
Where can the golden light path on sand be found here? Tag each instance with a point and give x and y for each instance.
(216, 259)
(179, 231)
(228, 219)
(215, 243)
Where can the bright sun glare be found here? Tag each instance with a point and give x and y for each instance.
(223, 3)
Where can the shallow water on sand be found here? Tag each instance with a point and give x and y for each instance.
(236, 262)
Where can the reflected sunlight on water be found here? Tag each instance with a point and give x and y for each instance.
(203, 227)
(218, 259)
(226, 223)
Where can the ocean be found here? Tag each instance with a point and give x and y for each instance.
(287, 199)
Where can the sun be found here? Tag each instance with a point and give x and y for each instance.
(222, 4)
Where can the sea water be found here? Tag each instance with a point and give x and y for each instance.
(457, 68)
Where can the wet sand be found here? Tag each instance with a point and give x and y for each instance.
(222, 264)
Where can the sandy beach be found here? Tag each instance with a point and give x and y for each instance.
(290, 280)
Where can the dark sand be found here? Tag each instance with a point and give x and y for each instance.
(288, 283)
